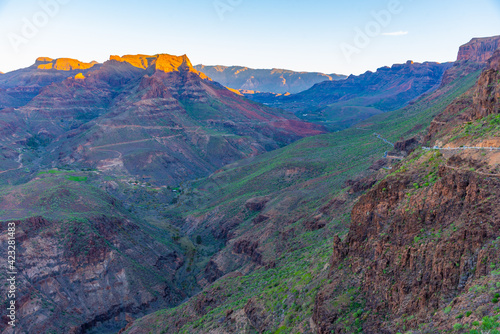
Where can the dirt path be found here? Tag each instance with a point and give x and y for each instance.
(460, 148)
(152, 127)
(9, 170)
(464, 170)
(132, 142)
(120, 154)
(18, 161)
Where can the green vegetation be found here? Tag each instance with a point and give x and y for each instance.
(308, 173)
(58, 196)
(300, 180)
(481, 129)
(77, 178)
(487, 325)
(37, 141)
(55, 172)
(287, 291)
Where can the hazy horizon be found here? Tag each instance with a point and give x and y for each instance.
(364, 35)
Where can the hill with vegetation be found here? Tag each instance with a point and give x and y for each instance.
(384, 227)
(281, 212)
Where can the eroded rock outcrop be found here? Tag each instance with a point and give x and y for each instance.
(162, 62)
(63, 64)
(414, 251)
(480, 101)
(479, 49)
(487, 94)
(424, 236)
(88, 271)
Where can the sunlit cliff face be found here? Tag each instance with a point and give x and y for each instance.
(63, 64)
(162, 62)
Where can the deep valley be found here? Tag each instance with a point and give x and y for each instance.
(150, 198)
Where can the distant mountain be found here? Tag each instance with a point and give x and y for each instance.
(19, 87)
(339, 104)
(274, 80)
(151, 116)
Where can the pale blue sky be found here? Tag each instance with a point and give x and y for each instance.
(287, 34)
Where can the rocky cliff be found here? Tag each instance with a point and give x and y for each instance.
(63, 64)
(426, 235)
(413, 250)
(479, 50)
(162, 62)
(89, 275)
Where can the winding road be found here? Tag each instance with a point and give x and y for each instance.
(382, 138)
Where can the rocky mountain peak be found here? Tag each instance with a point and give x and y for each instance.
(479, 49)
(160, 62)
(139, 61)
(43, 60)
(168, 63)
(62, 64)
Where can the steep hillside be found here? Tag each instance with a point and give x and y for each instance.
(422, 249)
(87, 165)
(276, 81)
(153, 117)
(272, 219)
(83, 259)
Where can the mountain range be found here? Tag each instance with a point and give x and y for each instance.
(276, 81)
(153, 117)
(414, 229)
(341, 104)
(148, 198)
